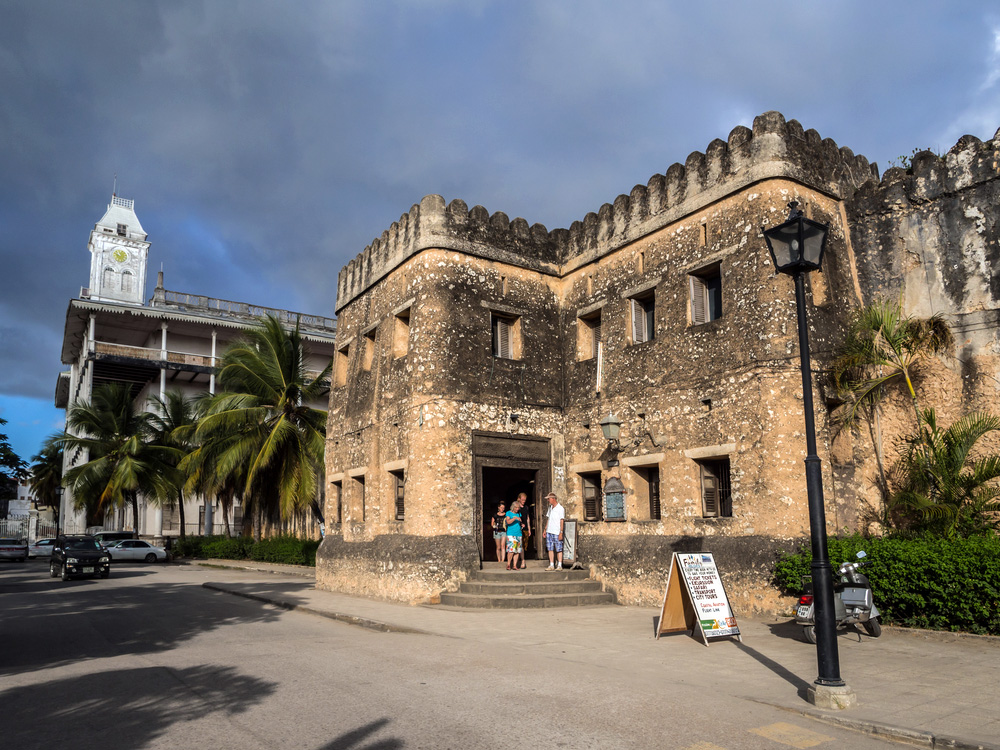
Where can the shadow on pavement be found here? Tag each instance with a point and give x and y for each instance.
(783, 672)
(55, 622)
(353, 739)
(134, 707)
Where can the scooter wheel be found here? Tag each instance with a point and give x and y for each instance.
(809, 631)
(873, 627)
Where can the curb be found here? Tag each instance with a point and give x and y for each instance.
(363, 622)
(886, 731)
(290, 570)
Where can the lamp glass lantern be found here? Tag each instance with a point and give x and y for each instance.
(798, 244)
(611, 426)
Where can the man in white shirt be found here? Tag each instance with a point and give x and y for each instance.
(554, 531)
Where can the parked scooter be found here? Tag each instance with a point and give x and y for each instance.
(852, 602)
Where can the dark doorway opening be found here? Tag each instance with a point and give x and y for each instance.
(503, 485)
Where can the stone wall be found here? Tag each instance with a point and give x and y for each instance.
(727, 387)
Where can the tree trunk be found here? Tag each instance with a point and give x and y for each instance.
(260, 522)
(180, 508)
(134, 499)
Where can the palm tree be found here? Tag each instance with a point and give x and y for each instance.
(951, 490)
(884, 347)
(124, 458)
(46, 470)
(264, 431)
(174, 423)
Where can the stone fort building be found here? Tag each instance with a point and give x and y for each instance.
(476, 356)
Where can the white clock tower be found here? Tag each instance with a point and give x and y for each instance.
(118, 254)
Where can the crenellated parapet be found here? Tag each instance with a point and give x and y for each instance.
(931, 234)
(970, 163)
(432, 224)
(773, 148)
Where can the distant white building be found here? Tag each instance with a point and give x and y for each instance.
(171, 342)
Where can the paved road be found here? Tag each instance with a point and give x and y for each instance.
(151, 659)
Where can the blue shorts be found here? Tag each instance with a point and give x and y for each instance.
(553, 542)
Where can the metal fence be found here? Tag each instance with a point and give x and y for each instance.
(14, 527)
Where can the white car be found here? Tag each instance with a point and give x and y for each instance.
(136, 549)
(41, 548)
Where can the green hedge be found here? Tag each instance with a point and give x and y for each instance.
(942, 584)
(287, 550)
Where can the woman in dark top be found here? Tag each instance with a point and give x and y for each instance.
(500, 531)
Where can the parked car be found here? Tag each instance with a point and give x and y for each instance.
(107, 538)
(135, 549)
(13, 549)
(41, 548)
(79, 555)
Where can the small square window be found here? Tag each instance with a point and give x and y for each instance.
(122, 229)
(706, 295)
(337, 500)
(401, 334)
(368, 355)
(340, 366)
(643, 314)
(359, 499)
(592, 496)
(716, 492)
(506, 338)
(589, 335)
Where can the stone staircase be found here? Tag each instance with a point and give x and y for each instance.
(495, 587)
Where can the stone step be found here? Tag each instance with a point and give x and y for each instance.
(525, 586)
(531, 574)
(474, 601)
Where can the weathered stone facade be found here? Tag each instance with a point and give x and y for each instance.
(477, 356)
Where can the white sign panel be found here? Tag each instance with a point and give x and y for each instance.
(708, 596)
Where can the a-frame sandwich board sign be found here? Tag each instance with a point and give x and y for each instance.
(696, 600)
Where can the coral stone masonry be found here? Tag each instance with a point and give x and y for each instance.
(477, 355)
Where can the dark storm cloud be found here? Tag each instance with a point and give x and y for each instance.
(265, 143)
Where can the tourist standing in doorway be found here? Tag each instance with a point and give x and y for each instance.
(525, 513)
(554, 531)
(514, 539)
(500, 531)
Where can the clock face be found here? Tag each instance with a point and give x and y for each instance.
(119, 255)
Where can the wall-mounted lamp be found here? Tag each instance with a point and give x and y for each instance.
(611, 426)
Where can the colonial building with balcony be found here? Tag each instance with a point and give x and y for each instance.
(172, 342)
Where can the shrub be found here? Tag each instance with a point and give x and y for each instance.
(287, 550)
(926, 582)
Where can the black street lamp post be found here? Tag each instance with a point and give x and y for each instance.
(797, 247)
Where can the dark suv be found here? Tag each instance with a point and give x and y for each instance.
(78, 555)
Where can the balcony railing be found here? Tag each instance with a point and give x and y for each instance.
(152, 355)
(242, 309)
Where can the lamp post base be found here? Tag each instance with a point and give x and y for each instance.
(833, 697)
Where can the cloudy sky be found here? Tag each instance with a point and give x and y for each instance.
(266, 143)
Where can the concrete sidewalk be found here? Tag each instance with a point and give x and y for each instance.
(928, 689)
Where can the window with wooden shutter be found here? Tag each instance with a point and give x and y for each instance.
(337, 491)
(591, 496)
(706, 295)
(643, 318)
(399, 491)
(716, 494)
(646, 486)
(504, 330)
